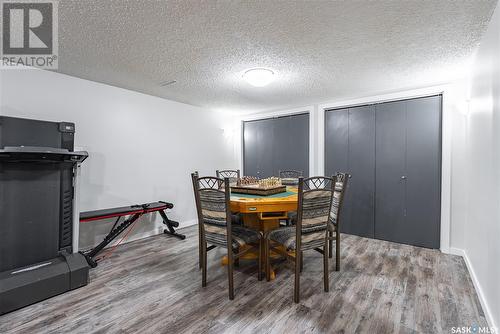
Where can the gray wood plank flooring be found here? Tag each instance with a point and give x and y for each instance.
(154, 286)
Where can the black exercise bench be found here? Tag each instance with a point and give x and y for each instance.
(133, 212)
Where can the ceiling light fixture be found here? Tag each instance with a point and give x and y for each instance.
(259, 77)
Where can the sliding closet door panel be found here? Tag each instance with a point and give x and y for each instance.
(350, 147)
(424, 172)
(276, 143)
(337, 154)
(265, 142)
(336, 141)
(390, 171)
(298, 145)
(361, 165)
(250, 148)
(282, 156)
(292, 145)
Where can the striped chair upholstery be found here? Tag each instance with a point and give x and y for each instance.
(233, 176)
(286, 237)
(315, 198)
(338, 195)
(213, 204)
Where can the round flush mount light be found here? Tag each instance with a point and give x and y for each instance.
(259, 77)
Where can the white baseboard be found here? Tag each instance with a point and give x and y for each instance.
(477, 286)
(456, 251)
(140, 236)
(187, 223)
(447, 250)
(159, 230)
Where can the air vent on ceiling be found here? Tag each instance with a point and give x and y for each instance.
(167, 83)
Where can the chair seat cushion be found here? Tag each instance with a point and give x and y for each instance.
(312, 238)
(216, 235)
(243, 235)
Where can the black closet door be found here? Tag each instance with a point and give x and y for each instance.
(276, 143)
(393, 152)
(292, 152)
(337, 156)
(390, 177)
(282, 128)
(265, 148)
(423, 171)
(408, 172)
(361, 162)
(350, 147)
(336, 141)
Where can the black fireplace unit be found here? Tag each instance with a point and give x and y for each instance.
(37, 168)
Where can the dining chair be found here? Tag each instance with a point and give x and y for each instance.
(290, 177)
(310, 231)
(334, 220)
(232, 174)
(236, 217)
(212, 196)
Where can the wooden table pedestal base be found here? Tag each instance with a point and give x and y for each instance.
(256, 222)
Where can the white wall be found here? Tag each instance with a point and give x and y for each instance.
(142, 148)
(477, 220)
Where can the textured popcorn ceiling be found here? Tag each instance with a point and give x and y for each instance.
(319, 50)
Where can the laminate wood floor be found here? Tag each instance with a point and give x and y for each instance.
(154, 286)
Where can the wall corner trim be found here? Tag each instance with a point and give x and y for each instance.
(477, 286)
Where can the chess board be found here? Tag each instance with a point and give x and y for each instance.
(255, 189)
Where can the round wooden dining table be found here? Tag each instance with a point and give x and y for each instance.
(263, 213)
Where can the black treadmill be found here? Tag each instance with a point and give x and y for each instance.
(37, 167)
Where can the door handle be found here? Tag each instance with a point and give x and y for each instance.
(403, 177)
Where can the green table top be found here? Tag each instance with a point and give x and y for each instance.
(280, 195)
